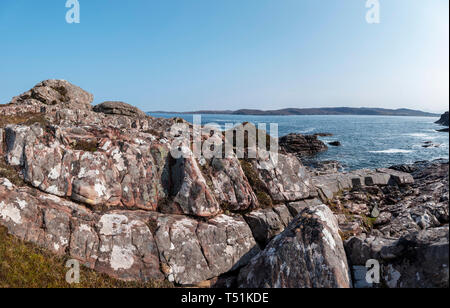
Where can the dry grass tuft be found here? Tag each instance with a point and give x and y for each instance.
(24, 265)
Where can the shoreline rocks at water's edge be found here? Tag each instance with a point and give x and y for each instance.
(101, 187)
(302, 145)
(444, 121)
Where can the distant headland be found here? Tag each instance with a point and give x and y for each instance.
(316, 111)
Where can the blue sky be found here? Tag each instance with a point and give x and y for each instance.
(227, 54)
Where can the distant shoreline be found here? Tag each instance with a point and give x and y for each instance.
(313, 111)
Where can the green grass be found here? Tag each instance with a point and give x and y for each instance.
(23, 265)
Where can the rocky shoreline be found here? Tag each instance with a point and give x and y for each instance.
(444, 121)
(98, 184)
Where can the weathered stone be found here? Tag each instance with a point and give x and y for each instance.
(313, 235)
(296, 207)
(127, 249)
(230, 185)
(117, 173)
(287, 180)
(118, 243)
(227, 243)
(266, 223)
(400, 178)
(56, 92)
(119, 108)
(192, 252)
(420, 259)
(16, 138)
(330, 184)
(190, 190)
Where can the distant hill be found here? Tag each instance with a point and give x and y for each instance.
(317, 111)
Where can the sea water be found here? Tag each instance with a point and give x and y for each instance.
(367, 141)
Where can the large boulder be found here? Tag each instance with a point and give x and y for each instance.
(193, 251)
(309, 253)
(119, 108)
(286, 180)
(59, 93)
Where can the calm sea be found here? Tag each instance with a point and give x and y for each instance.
(367, 141)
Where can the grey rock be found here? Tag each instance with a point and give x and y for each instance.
(286, 181)
(119, 108)
(192, 252)
(56, 93)
(296, 207)
(313, 235)
(267, 223)
(417, 260)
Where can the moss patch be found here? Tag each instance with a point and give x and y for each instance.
(27, 119)
(10, 173)
(257, 185)
(368, 222)
(24, 265)
(85, 145)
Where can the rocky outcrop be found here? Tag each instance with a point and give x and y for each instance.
(104, 187)
(130, 245)
(309, 253)
(302, 145)
(404, 228)
(119, 108)
(330, 184)
(56, 92)
(444, 120)
(416, 260)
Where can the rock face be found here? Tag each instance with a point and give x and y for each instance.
(444, 120)
(309, 253)
(119, 108)
(122, 243)
(302, 145)
(56, 92)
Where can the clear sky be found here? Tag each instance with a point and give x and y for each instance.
(181, 55)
